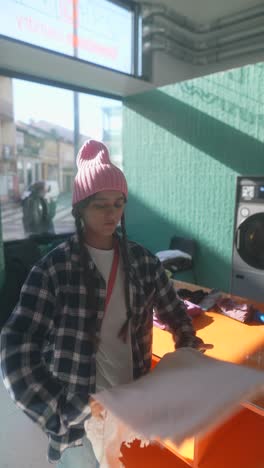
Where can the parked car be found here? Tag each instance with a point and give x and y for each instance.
(39, 204)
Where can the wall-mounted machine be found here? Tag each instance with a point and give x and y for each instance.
(248, 246)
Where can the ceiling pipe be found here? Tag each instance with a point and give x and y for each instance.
(240, 51)
(168, 43)
(175, 52)
(244, 15)
(199, 38)
(241, 35)
(198, 45)
(151, 31)
(213, 55)
(149, 10)
(207, 60)
(182, 21)
(207, 43)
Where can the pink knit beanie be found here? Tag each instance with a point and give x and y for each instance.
(96, 172)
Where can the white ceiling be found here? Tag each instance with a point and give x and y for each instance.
(202, 11)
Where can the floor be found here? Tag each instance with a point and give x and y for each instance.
(22, 443)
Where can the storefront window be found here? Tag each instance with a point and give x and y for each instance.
(37, 153)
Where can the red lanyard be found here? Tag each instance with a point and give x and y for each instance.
(112, 276)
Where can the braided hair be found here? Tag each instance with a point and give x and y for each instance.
(123, 332)
(89, 278)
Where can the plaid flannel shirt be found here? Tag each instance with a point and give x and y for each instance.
(47, 358)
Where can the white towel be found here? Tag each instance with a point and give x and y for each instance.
(165, 255)
(185, 395)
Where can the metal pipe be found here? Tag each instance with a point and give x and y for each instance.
(202, 28)
(200, 58)
(159, 32)
(199, 38)
(179, 20)
(203, 43)
(242, 34)
(149, 30)
(199, 44)
(243, 15)
(168, 43)
(243, 50)
(150, 47)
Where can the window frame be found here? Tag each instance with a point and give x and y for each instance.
(59, 84)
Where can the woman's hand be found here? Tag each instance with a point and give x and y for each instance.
(190, 340)
(97, 409)
(200, 345)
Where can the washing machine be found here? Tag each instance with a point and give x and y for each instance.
(248, 247)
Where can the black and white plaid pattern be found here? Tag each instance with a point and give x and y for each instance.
(47, 354)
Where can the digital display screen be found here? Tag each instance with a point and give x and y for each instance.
(261, 191)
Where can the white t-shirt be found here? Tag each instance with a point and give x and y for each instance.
(114, 364)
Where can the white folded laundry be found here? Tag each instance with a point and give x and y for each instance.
(165, 255)
(185, 395)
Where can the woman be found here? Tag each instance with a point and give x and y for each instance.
(84, 319)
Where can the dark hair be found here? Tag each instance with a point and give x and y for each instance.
(89, 278)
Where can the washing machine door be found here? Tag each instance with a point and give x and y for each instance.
(250, 241)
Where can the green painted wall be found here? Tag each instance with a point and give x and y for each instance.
(184, 145)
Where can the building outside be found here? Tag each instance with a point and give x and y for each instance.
(45, 152)
(28, 143)
(8, 173)
(41, 150)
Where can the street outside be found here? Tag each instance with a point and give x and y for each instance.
(12, 225)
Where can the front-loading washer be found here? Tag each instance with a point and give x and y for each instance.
(248, 246)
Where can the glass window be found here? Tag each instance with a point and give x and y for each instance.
(105, 34)
(37, 153)
(98, 31)
(101, 123)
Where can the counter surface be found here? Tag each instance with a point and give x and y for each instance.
(232, 341)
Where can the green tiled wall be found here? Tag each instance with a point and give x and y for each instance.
(184, 145)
